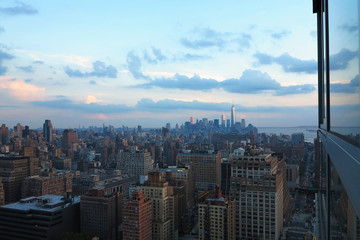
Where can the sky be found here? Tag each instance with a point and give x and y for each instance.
(81, 63)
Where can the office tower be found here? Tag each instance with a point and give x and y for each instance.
(339, 124)
(223, 119)
(259, 187)
(217, 218)
(227, 123)
(168, 126)
(137, 217)
(206, 166)
(100, 214)
(48, 131)
(26, 131)
(191, 120)
(36, 218)
(243, 123)
(69, 137)
(18, 130)
(233, 117)
(2, 193)
(13, 171)
(4, 135)
(163, 207)
(62, 163)
(134, 162)
(47, 184)
(216, 123)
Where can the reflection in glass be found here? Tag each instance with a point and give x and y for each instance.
(344, 69)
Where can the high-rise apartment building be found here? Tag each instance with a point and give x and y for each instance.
(233, 116)
(2, 193)
(223, 120)
(163, 207)
(134, 162)
(338, 202)
(259, 187)
(243, 123)
(217, 218)
(206, 167)
(4, 134)
(137, 217)
(13, 171)
(48, 131)
(37, 218)
(101, 214)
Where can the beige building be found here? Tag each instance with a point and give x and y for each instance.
(217, 218)
(259, 187)
(163, 205)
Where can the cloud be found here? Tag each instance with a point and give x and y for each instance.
(92, 82)
(21, 8)
(288, 63)
(251, 81)
(205, 38)
(27, 69)
(28, 80)
(134, 65)
(179, 81)
(244, 40)
(99, 70)
(281, 34)
(193, 57)
(21, 89)
(38, 62)
(158, 56)
(349, 27)
(338, 61)
(4, 56)
(64, 103)
(351, 87)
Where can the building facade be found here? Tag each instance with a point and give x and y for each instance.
(134, 162)
(2, 193)
(48, 131)
(259, 187)
(137, 217)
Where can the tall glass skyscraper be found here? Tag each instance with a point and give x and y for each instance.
(233, 118)
(338, 151)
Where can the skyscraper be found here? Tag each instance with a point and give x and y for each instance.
(48, 130)
(191, 120)
(243, 124)
(223, 119)
(233, 117)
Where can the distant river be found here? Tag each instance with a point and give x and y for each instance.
(309, 132)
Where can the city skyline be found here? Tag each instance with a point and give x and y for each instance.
(120, 62)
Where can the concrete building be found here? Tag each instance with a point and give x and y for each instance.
(47, 183)
(101, 214)
(134, 162)
(2, 193)
(137, 217)
(69, 137)
(62, 163)
(14, 170)
(163, 207)
(259, 187)
(4, 135)
(206, 167)
(217, 218)
(292, 176)
(36, 218)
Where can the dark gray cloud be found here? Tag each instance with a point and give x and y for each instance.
(179, 81)
(27, 69)
(4, 56)
(21, 8)
(205, 38)
(134, 65)
(38, 62)
(281, 34)
(251, 81)
(99, 70)
(338, 61)
(351, 87)
(349, 27)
